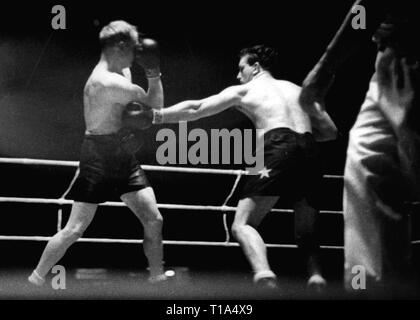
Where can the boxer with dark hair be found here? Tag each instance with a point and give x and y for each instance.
(292, 167)
(108, 166)
(267, 57)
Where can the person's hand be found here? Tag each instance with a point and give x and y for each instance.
(137, 116)
(147, 56)
(397, 78)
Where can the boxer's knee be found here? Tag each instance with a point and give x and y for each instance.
(153, 220)
(239, 229)
(144, 206)
(236, 230)
(307, 241)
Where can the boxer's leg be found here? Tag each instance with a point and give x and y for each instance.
(143, 204)
(249, 214)
(80, 217)
(306, 234)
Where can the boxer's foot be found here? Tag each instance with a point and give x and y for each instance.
(266, 280)
(267, 283)
(317, 283)
(157, 278)
(36, 279)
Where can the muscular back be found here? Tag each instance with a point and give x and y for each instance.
(272, 103)
(105, 96)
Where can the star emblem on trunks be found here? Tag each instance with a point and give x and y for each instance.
(264, 173)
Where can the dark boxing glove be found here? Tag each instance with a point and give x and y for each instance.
(147, 56)
(129, 141)
(137, 116)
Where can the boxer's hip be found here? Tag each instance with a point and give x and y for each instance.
(104, 155)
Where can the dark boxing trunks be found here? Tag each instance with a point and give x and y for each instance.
(292, 167)
(106, 170)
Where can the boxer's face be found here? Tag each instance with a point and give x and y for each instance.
(130, 48)
(127, 54)
(246, 72)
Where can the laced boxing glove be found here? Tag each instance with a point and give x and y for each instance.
(137, 116)
(147, 56)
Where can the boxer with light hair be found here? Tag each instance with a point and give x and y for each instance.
(108, 165)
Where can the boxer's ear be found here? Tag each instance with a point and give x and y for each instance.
(256, 68)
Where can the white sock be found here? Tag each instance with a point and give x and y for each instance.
(264, 274)
(36, 279)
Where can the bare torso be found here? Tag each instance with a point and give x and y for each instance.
(271, 103)
(102, 110)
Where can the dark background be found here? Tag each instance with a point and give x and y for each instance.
(42, 75)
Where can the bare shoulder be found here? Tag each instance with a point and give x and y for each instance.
(289, 91)
(288, 86)
(109, 79)
(106, 84)
(114, 80)
(94, 85)
(237, 90)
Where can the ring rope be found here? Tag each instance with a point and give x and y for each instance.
(26, 161)
(168, 242)
(63, 196)
(224, 205)
(120, 204)
(232, 191)
(160, 206)
(62, 201)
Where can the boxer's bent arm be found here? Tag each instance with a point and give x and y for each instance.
(323, 128)
(155, 96)
(124, 92)
(196, 109)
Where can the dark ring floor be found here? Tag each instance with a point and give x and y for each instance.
(123, 284)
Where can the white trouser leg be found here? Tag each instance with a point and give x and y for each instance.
(373, 194)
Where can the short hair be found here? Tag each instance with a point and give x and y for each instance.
(266, 56)
(116, 32)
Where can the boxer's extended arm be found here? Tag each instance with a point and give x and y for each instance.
(196, 109)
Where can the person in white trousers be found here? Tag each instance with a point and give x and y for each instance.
(382, 171)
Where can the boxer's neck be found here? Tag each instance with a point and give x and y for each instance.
(113, 62)
(262, 73)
